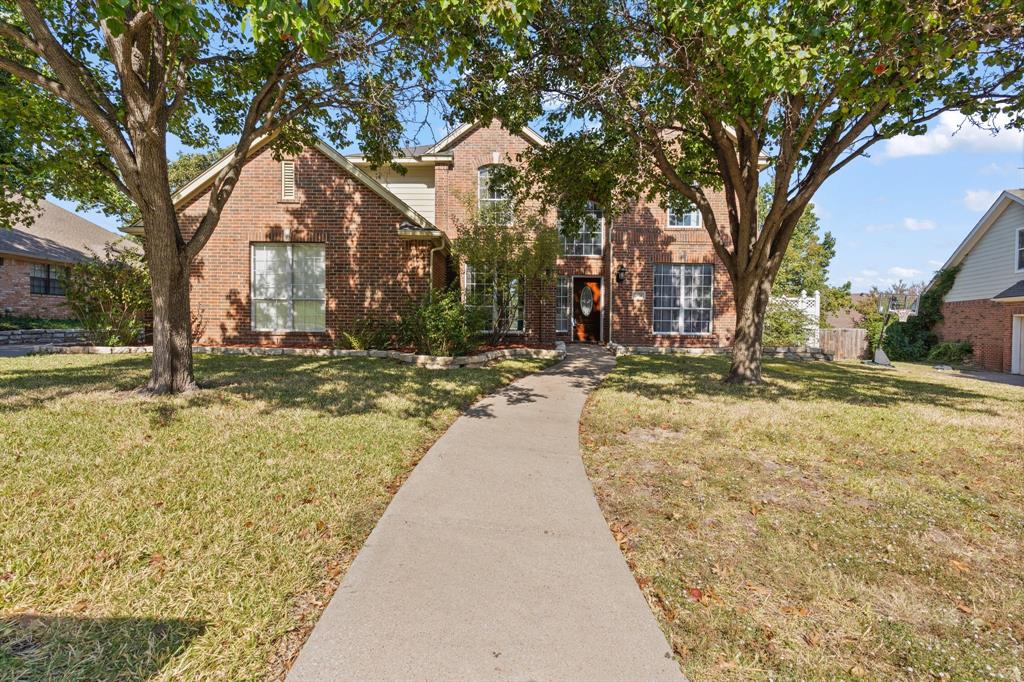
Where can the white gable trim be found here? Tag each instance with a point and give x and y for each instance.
(466, 128)
(979, 231)
(204, 180)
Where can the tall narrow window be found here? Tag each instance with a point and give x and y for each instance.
(287, 180)
(492, 202)
(1020, 249)
(683, 296)
(589, 238)
(503, 309)
(563, 304)
(46, 279)
(288, 287)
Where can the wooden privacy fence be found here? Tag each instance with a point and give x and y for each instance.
(844, 344)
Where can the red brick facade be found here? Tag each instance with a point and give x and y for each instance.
(987, 325)
(372, 272)
(16, 297)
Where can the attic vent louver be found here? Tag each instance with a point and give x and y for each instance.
(287, 180)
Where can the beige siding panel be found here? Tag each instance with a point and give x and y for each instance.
(415, 188)
(989, 267)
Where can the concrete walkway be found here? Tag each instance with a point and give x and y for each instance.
(16, 350)
(493, 562)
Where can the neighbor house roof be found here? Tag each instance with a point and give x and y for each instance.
(58, 235)
(1012, 294)
(1004, 200)
(846, 318)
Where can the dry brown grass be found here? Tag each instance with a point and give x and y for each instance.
(840, 521)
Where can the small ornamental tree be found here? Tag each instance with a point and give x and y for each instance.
(676, 100)
(92, 90)
(109, 294)
(510, 252)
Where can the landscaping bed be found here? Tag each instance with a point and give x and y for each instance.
(197, 537)
(839, 522)
(9, 322)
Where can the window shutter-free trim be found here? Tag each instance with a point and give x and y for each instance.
(287, 180)
(288, 287)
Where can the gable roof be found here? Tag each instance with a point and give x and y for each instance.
(1007, 198)
(206, 178)
(461, 131)
(56, 234)
(1012, 294)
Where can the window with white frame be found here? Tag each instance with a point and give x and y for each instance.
(289, 286)
(682, 213)
(683, 295)
(563, 304)
(493, 203)
(1020, 249)
(503, 310)
(588, 240)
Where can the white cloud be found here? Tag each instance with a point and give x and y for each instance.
(978, 200)
(935, 263)
(905, 273)
(918, 224)
(952, 130)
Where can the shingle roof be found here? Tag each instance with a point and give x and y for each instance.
(1016, 291)
(416, 150)
(56, 235)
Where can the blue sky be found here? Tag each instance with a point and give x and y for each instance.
(900, 213)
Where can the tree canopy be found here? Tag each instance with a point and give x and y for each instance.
(681, 100)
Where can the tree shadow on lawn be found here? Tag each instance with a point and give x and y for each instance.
(331, 386)
(691, 378)
(38, 647)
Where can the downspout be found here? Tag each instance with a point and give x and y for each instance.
(430, 260)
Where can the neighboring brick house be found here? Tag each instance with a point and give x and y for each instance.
(33, 258)
(986, 303)
(309, 245)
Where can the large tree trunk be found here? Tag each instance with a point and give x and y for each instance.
(172, 322)
(751, 295)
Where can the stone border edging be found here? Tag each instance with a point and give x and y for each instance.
(10, 337)
(427, 361)
(784, 352)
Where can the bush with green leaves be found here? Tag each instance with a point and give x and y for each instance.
(110, 295)
(442, 325)
(950, 352)
(367, 333)
(785, 324)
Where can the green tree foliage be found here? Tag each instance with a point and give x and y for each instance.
(513, 250)
(785, 324)
(914, 339)
(109, 294)
(806, 263)
(190, 165)
(666, 99)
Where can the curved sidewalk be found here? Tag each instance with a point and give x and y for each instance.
(493, 561)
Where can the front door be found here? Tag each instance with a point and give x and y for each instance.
(586, 310)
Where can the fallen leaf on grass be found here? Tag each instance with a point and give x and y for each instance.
(960, 566)
(964, 608)
(813, 638)
(695, 593)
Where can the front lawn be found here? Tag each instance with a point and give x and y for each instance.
(197, 537)
(839, 522)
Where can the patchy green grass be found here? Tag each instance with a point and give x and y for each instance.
(9, 322)
(840, 521)
(197, 537)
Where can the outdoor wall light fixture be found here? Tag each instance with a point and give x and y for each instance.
(620, 274)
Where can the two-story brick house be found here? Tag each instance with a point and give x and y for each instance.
(309, 245)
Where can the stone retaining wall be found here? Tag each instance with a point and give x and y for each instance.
(40, 336)
(428, 361)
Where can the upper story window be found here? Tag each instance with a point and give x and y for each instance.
(492, 202)
(589, 239)
(46, 279)
(682, 214)
(287, 180)
(1020, 249)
